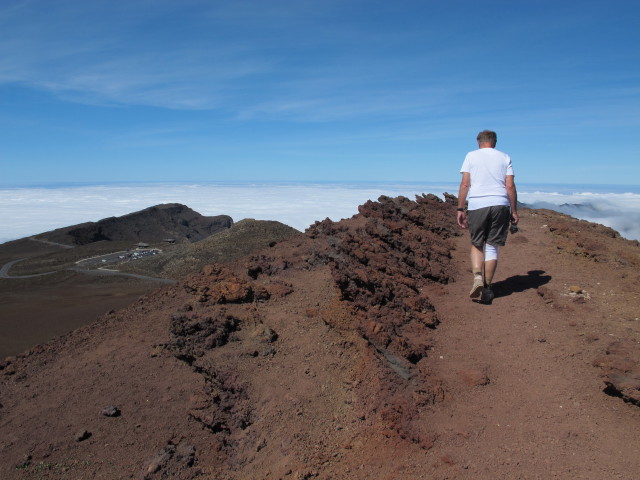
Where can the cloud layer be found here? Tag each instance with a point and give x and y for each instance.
(620, 211)
(29, 211)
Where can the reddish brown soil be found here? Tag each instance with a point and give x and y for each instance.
(37, 313)
(351, 352)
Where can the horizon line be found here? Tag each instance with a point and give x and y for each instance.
(287, 182)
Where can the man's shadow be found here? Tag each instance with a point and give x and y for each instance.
(520, 283)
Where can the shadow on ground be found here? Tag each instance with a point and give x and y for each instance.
(520, 283)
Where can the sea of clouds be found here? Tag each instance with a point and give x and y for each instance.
(620, 211)
(26, 211)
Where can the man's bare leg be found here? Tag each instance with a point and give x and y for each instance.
(489, 270)
(477, 265)
(477, 260)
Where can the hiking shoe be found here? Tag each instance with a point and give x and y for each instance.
(478, 285)
(487, 295)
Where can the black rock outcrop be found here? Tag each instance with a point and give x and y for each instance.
(166, 221)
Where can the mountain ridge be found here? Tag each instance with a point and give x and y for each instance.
(153, 224)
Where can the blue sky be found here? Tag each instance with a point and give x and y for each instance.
(103, 91)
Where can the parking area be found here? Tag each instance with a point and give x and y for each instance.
(117, 258)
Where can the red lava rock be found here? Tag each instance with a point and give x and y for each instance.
(192, 335)
(474, 378)
(547, 294)
(621, 370)
(279, 289)
(265, 265)
(381, 263)
(312, 312)
(212, 270)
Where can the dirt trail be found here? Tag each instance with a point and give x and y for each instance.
(523, 399)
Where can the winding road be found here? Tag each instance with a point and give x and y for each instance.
(4, 273)
(55, 244)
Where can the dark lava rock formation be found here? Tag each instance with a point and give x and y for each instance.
(153, 224)
(383, 263)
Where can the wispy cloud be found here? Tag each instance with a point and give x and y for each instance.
(105, 53)
(300, 61)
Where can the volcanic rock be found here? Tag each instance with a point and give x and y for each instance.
(621, 370)
(110, 411)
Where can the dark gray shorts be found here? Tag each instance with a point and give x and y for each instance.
(489, 225)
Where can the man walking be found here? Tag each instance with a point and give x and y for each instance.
(488, 181)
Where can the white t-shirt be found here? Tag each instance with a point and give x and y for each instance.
(488, 168)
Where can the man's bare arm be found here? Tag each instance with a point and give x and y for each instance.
(465, 183)
(513, 197)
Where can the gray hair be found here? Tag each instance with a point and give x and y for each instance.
(487, 136)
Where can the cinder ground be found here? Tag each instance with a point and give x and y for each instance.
(35, 312)
(351, 352)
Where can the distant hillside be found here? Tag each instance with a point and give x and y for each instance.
(241, 239)
(153, 224)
